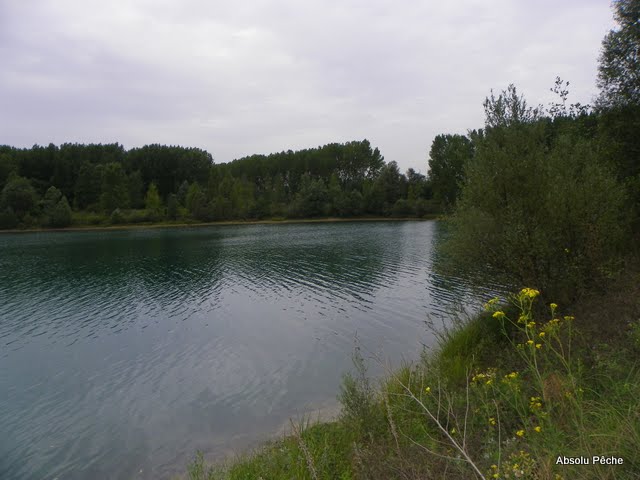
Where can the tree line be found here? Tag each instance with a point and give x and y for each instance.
(549, 197)
(57, 185)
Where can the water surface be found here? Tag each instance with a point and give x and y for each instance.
(123, 352)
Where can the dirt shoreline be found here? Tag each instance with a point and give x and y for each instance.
(140, 226)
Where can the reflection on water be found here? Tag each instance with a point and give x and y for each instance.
(123, 352)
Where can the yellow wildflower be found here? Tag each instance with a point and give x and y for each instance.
(529, 292)
(520, 433)
(538, 346)
(542, 334)
(498, 314)
(553, 306)
(538, 429)
(427, 390)
(492, 421)
(529, 342)
(491, 303)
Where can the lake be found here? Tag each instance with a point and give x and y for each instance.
(124, 352)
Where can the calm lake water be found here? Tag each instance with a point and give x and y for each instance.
(123, 352)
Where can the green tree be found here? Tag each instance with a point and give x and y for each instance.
(56, 211)
(182, 193)
(114, 188)
(135, 186)
(417, 186)
(19, 196)
(8, 165)
(51, 198)
(88, 186)
(152, 201)
(619, 100)
(336, 196)
(278, 196)
(373, 197)
(619, 65)
(243, 198)
(196, 201)
(61, 215)
(312, 198)
(172, 206)
(8, 218)
(381, 193)
(447, 158)
(543, 212)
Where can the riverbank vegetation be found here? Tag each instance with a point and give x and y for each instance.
(100, 185)
(545, 382)
(504, 396)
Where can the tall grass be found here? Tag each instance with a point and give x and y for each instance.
(504, 396)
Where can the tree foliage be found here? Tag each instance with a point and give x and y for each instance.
(447, 158)
(538, 204)
(152, 201)
(114, 188)
(619, 65)
(336, 179)
(619, 100)
(19, 196)
(60, 215)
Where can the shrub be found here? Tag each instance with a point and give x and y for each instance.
(8, 218)
(116, 217)
(60, 215)
(544, 212)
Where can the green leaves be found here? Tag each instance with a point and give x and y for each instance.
(619, 66)
(530, 195)
(447, 158)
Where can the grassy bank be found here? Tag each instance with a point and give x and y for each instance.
(81, 227)
(504, 395)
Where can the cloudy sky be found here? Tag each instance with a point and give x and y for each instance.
(257, 76)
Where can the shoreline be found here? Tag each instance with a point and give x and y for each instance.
(222, 223)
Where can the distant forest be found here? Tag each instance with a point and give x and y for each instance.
(58, 186)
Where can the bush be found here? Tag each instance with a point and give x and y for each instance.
(137, 216)
(172, 206)
(8, 218)
(424, 207)
(117, 217)
(402, 208)
(60, 215)
(544, 212)
(88, 218)
(19, 195)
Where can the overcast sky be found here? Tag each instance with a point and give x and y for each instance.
(258, 76)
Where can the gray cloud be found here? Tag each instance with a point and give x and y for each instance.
(237, 78)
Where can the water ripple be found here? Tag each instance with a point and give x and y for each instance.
(126, 351)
